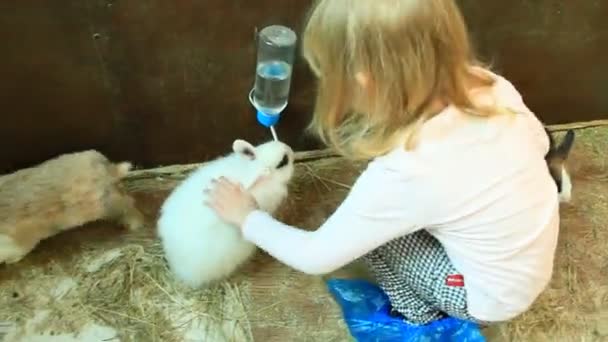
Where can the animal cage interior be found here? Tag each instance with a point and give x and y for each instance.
(164, 88)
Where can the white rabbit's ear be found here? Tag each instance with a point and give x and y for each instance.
(244, 148)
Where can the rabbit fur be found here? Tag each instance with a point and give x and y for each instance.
(60, 194)
(199, 247)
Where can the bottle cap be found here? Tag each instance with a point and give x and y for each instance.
(266, 119)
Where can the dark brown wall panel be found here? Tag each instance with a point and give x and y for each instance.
(160, 82)
(554, 51)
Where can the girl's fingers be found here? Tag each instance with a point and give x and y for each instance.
(228, 190)
(228, 184)
(219, 184)
(215, 206)
(222, 191)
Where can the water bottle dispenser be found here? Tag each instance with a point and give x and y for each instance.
(275, 59)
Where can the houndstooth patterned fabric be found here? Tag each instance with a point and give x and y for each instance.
(412, 271)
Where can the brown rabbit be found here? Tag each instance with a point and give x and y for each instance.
(60, 194)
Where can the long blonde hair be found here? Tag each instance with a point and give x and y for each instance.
(413, 50)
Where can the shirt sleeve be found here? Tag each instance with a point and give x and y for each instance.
(379, 208)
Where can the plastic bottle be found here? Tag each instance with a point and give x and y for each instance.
(275, 58)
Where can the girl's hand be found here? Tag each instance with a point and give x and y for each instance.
(230, 201)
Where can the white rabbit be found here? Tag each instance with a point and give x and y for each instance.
(557, 161)
(199, 247)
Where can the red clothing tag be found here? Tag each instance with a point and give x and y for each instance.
(456, 280)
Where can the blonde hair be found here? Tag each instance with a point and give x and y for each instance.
(414, 51)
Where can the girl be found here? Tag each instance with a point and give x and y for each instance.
(456, 212)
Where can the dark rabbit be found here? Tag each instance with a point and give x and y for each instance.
(557, 161)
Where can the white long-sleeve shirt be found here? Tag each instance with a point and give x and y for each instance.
(480, 186)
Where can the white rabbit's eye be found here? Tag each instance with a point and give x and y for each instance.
(249, 153)
(283, 162)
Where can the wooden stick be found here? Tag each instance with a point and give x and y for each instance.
(172, 170)
(577, 125)
(306, 156)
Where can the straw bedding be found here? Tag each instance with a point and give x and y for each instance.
(100, 283)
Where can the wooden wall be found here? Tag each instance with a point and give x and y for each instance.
(161, 82)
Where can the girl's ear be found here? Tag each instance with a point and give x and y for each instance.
(244, 148)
